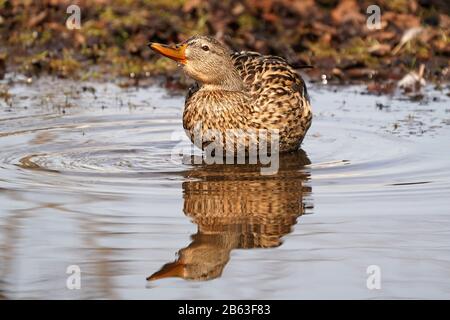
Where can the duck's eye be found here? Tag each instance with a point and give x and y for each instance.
(205, 47)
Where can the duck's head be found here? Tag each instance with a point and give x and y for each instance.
(204, 259)
(204, 59)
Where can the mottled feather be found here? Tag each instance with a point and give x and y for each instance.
(275, 98)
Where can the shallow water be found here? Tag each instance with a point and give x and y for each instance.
(101, 179)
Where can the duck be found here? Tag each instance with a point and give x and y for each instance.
(240, 100)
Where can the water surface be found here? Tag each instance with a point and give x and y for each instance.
(98, 176)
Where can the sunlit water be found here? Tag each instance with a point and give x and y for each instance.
(100, 180)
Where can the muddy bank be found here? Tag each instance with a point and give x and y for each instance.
(331, 35)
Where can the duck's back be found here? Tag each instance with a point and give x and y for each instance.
(280, 97)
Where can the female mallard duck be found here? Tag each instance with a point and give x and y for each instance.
(240, 94)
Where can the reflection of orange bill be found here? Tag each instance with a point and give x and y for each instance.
(174, 269)
(175, 53)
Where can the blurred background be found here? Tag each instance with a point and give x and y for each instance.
(331, 35)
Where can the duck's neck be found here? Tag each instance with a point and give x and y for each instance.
(231, 81)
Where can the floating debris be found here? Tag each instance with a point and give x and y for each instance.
(4, 94)
(381, 106)
(413, 81)
(381, 88)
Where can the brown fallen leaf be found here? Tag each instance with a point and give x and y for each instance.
(380, 49)
(360, 73)
(337, 73)
(347, 11)
(383, 36)
(35, 20)
(191, 4)
(402, 21)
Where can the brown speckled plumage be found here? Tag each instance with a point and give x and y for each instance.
(243, 91)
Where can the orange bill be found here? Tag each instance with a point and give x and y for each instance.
(175, 53)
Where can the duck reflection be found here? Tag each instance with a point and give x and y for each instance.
(235, 207)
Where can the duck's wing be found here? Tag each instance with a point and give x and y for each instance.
(279, 93)
(268, 74)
